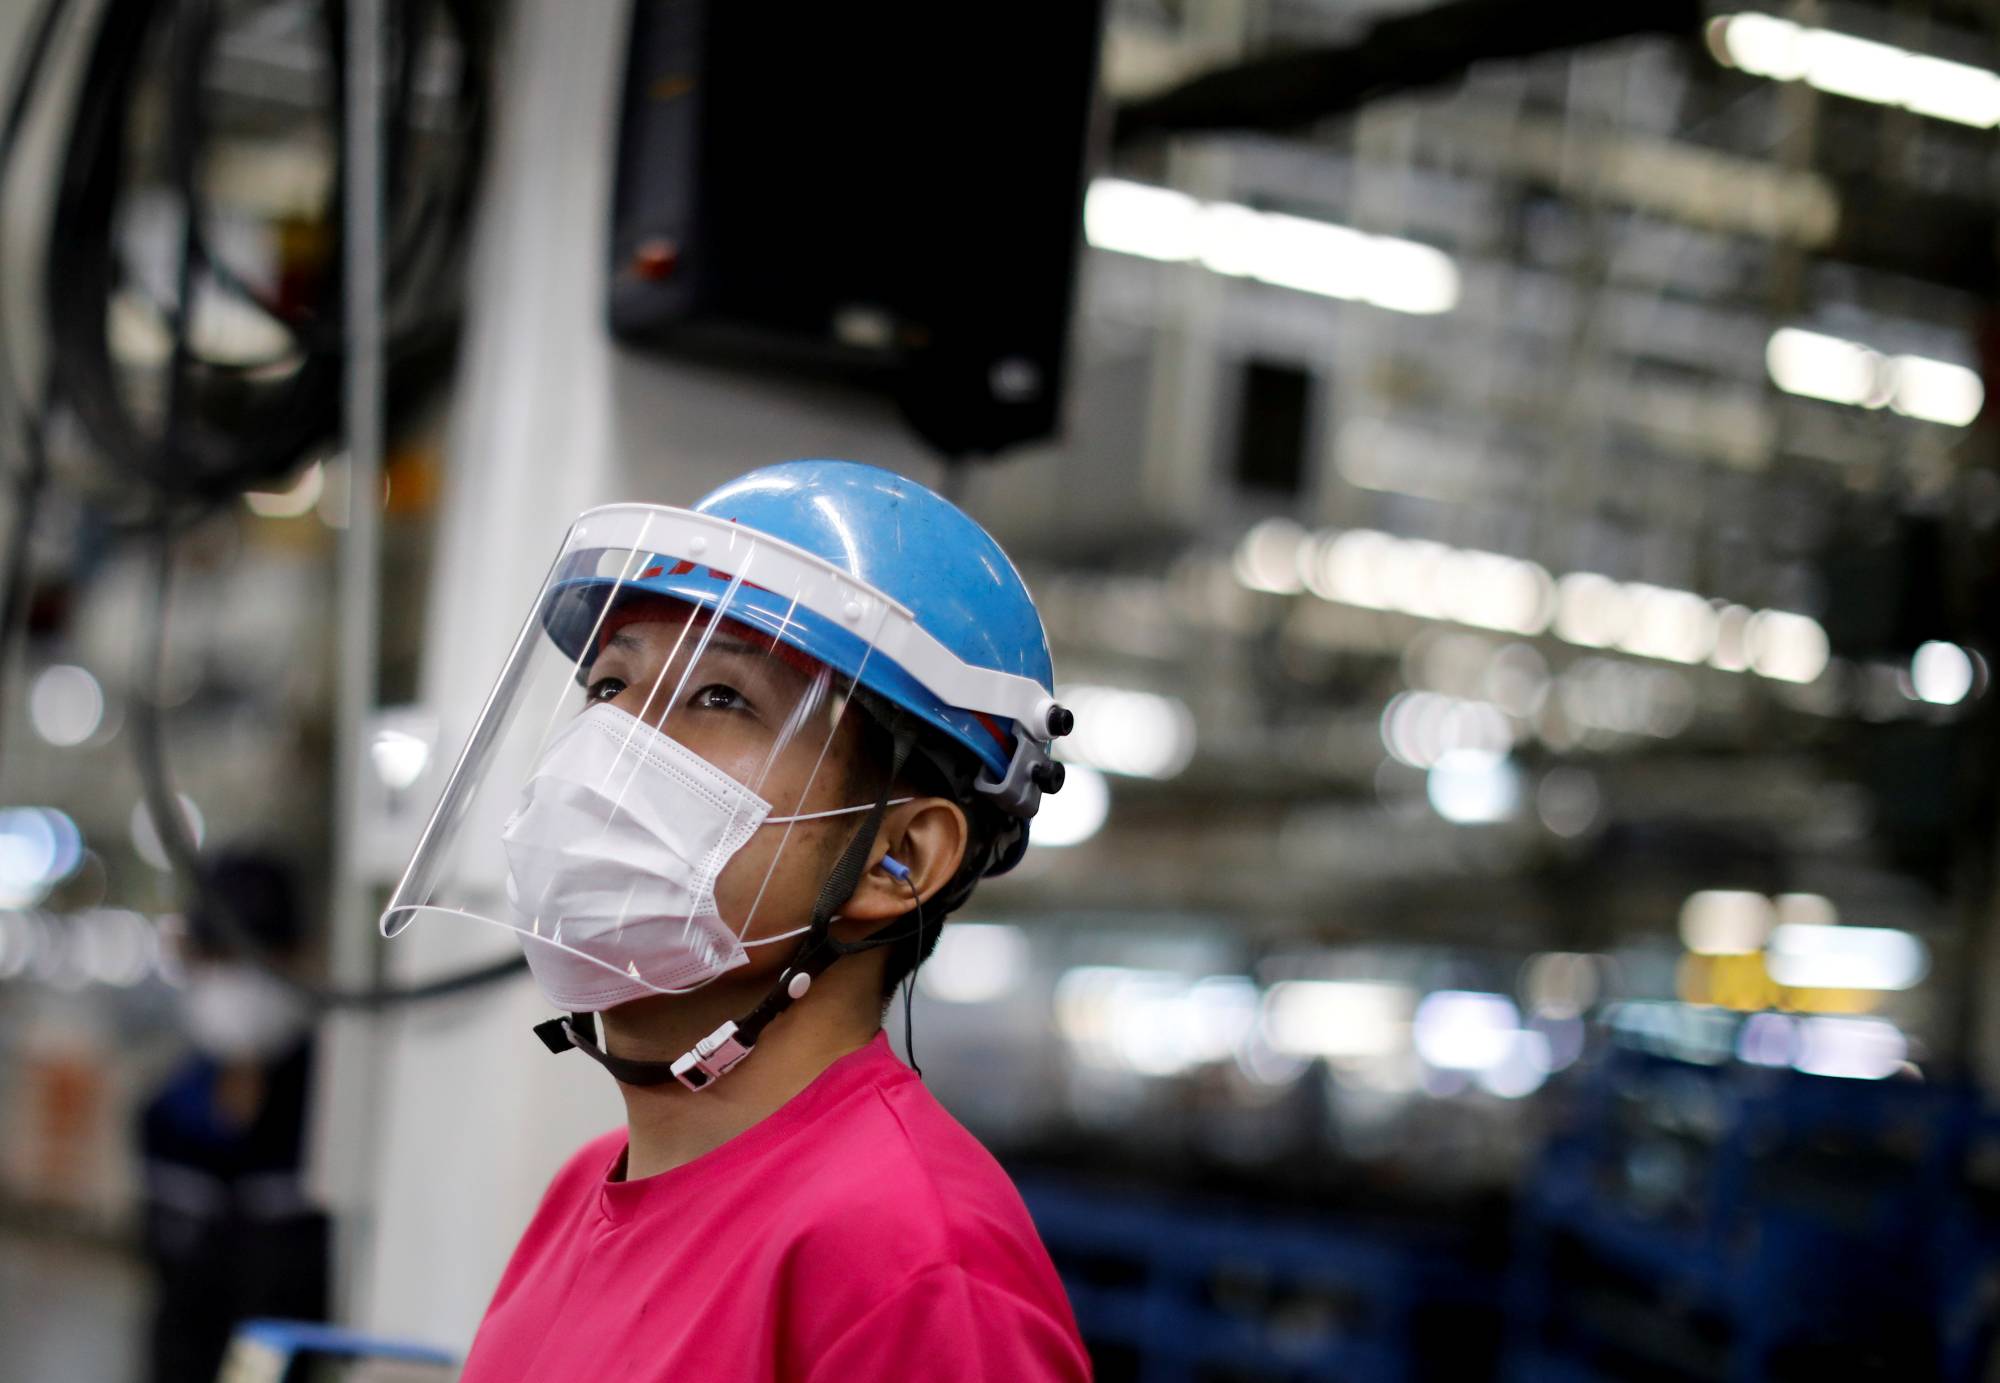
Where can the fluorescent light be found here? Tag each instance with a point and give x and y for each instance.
(1862, 69)
(1420, 728)
(1152, 1022)
(1350, 569)
(1134, 219)
(1854, 67)
(1767, 1039)
(66, 705)
(1284, 251)
(114, 946)
(1267, 559)
(1787, 647)
(1487, 590)
(1732, 649)
(1676, 626)
(1941, 673)
(1954, 91)
(1806, 909)
(1472, 787)
(1562, 985)
(1377, 571)
(1464, 1030)
(1410, 571)
(1218, 1014)
(39, 847)
(1590, 610)
(1337, 1019)
(399, 757)
(1524, 1068)
(1762, 45)
(1851, 1048)
(1936, 391)
(1408, 277)
(975, 963)
(1805, 956)
(1725, 922)
(1140, 734)
(1816, 366)
(1075, 814)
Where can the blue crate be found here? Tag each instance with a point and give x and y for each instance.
(1864, 1230)
(1169, 1253)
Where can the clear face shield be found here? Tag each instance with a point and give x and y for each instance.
(670, 763)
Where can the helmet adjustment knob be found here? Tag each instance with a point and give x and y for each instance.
(1062, 720)
(1049, 777)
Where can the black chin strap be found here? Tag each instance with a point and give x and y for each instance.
(715, 1055)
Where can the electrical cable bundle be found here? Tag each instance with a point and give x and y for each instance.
(214, 427)
(226, 425)
(32, 474)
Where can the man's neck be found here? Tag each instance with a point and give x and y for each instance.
(669, 1125)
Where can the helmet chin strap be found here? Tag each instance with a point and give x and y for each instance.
(717, 1054)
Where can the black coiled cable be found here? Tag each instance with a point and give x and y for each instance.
(222, 426)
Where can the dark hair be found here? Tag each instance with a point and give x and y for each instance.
(936, 767)
(258, 891)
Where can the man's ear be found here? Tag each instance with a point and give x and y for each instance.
(928, 838)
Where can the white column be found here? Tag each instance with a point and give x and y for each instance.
(440, 1176)
(441, 1171)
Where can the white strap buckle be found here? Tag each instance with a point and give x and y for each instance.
(714, 1056)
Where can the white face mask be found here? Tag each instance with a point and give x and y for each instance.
(237, 1012)
(612, 858)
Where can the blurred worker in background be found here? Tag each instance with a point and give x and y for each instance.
(228, 1230)
(774, 741)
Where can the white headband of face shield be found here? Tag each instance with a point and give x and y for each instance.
(612, 860)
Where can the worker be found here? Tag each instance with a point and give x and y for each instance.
(230, 1233)
(742, 764)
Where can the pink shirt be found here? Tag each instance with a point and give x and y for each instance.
(859, 1233)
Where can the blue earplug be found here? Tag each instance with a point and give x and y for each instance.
(897, 869)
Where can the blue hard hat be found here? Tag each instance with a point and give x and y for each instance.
(898, 536)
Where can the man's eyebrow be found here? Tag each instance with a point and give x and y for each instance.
(742, 646)
(722, 643)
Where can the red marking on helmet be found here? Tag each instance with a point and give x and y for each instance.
(718, 574)
(685, 567)
(993, 729)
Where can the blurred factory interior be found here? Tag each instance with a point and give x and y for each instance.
(1508, 488)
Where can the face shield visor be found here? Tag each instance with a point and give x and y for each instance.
(671, 761)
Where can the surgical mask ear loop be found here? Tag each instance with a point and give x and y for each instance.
(836, 811)
(747, 943)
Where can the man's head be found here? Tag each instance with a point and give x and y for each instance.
(243, 919)
(721, 723)
(247, 898)
(803, 738)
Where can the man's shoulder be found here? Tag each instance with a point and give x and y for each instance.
(584, 1169)
(898, 1169)
(926, 1225)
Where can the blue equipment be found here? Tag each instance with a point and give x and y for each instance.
(274, 1351)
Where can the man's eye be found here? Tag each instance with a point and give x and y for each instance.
(604, 689)
(718, 696)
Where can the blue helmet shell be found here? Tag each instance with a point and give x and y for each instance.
(889, 531)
